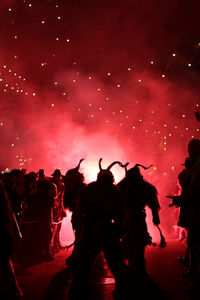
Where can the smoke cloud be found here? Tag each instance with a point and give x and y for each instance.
(84, 79)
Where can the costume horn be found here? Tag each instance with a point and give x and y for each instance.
(100, 167)
(145, 168)
(114, 163)
(77, 168)
(125, 166)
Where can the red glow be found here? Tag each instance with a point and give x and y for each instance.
(67, 234)
(90, 171)
(70, 88)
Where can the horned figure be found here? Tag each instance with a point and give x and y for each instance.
(101, 209)
(137, 193)
(106, 174)
(74, 182)
(74, 170)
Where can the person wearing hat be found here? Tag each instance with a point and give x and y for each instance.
(56, 173)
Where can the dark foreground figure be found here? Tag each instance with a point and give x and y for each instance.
(100, 205)
(9, 287)
(189, 203)
(74, 183)
(136, 194)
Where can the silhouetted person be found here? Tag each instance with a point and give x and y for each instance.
(189, 202)
(74, 183)
(101, 208)
(46, 195)
(16, 192)
(41, 175)
(58, 211)
(9, 286)
(191, 199)
(30, 225)
(137, 193)
(189, 260)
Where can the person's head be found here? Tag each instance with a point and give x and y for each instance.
(105, 175)
(30, 183)
(57, 174)
(134, 173)
(73, 175)
(194, 148)
(32, 175)
(7, 179)
(41, 174)
(18, 176)
(187, 163)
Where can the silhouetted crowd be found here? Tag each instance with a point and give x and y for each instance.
(34, 204)
(107, 218)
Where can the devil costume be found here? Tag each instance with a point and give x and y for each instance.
(74, 182)
(137, 194)
(101, 208)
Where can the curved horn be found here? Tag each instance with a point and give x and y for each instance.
(124, 166)
(100, 168)
(146, 168)
(114, 163)
(79, 163)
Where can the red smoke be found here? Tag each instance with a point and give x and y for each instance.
(93, 79)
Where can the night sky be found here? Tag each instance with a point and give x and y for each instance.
(111, 79)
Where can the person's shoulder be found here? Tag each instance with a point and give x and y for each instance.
(90, 185)
(87, 186)
(113, 188)
(150, 187)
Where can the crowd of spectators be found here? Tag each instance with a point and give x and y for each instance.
(37, 210)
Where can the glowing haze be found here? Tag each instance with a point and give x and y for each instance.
(90, 79)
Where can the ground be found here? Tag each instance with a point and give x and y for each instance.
(51, 280)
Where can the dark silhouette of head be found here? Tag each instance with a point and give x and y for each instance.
(74, 170)
(41, 174)
(32, 175)
(74, 174)
(105, 175)
(194, 148)
(57, 172)
(187, 163)
(134, 173)
(17, 175)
